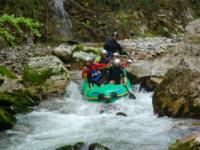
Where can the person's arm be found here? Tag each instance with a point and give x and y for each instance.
(100, 66)
(84, 71)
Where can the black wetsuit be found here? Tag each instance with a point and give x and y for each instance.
(116, 74)
(112, 45)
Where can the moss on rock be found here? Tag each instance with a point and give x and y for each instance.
(4, 71)
(6, 120)
(36, 77)
(18, 101)
(187, 145)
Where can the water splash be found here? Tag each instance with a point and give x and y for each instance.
(62, 14)
(72, 119)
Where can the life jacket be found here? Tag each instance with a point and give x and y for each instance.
(95, 76)
(105, 60)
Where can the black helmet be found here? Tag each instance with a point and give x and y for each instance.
(115, 34)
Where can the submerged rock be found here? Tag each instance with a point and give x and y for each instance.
(121, 114)
(77, 146)
(83, 146)
(178, 95)
(96, 146)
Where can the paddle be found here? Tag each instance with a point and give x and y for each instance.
(131, 95)
(130, 57)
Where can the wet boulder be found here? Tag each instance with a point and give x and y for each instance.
(141, 72)
(83, 146)
(121, 114)
(47, 73)
(190, 142)
(97, 146)
(178, 95)
(77, 146)
(14, 98)
(140, 69)
(18, 101)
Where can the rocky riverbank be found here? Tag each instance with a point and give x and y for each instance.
(28, 75)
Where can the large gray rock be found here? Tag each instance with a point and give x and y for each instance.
(192, 32)
(140, 68)
(64, 52)
(81, 55)
(49, 73)
(48, 62)
(178, 95)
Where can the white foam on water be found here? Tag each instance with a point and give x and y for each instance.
(72, 119)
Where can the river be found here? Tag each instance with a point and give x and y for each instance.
(72, 119)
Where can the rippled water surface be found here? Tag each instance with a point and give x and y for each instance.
(71, 119)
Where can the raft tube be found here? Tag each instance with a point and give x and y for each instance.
(106, 93)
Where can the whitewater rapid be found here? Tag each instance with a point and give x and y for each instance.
(72, 119)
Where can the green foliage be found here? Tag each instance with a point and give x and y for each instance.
(87, 24)
(36, 77)
(26, 8)
(12, 28)
(6, 72)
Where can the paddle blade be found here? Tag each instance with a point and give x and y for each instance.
(132, 96)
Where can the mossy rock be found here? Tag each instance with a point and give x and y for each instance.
(36, 77)
(4, 71)
(18, 101)
(6, 120)
(188, 145)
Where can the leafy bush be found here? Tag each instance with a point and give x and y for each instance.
(12, 28)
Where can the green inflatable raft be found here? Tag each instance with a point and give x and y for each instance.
(107, 93)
